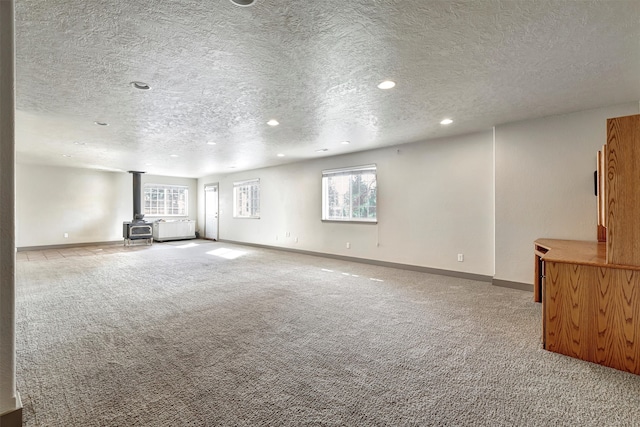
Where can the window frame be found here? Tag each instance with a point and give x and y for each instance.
(165, 188)
(348, 171)
(254, 213)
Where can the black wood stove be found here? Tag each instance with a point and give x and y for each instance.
(138, 228)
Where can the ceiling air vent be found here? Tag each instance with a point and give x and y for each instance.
(243, 3)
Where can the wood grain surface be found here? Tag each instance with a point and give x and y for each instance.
(574, 251)
(593, 313)
(623, 190)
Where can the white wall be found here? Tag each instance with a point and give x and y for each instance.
(87, 204)
(435, 200)
(544, 184)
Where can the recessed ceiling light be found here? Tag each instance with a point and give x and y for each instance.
(102, 123)
(322, 150)
(280, 155)
(80, 143)
(211, 143)
(173, 155)
(141, 85)
(66, 155)
(387, 84)
(346, 142)
(446, 122)
(273, 122)
(148, 164)
(243, 3)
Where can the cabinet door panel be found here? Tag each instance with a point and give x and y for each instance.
(593, 313)
(569, 324)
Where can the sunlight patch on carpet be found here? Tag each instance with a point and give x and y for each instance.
(227, 253)
(187, 245)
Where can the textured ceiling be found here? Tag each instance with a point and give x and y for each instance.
(219, 72)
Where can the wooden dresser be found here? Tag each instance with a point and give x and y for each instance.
(590, 291)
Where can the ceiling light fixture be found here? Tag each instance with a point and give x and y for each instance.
(322, 150)
(346, 142)
(66, 155)
(141, 85)
(387, 84)
(273, 122)
(446, 122)
(243, 3)
(211, 143)
(80, 143)
(280, 155)
(101, 123)
(173, 155)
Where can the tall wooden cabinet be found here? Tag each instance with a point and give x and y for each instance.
(590, 291)
(622, 190)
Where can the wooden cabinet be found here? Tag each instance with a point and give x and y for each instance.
(622, 188)
(590, 291)
(593, 313)
(591, 308)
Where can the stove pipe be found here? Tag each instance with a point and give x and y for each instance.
(137, 195)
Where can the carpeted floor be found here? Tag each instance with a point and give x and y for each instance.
(199, 333)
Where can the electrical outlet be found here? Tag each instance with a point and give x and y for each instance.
(460, 257)
(66, 235)
(348, 245)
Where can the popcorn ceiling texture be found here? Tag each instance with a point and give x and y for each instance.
(218, 72)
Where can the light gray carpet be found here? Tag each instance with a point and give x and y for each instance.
(174, 336)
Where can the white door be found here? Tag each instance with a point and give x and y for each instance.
(211, 212)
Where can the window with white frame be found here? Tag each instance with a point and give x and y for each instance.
(349, 194)
(246, 199)
(166, 200)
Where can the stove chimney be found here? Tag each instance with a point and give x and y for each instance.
(137, 195)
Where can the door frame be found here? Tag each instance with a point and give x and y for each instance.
(217, 185)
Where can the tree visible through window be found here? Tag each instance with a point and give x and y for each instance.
(166, 200)
(349, 194)
(246, 199)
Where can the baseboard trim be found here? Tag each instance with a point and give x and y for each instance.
(451, 273)
(441, 272)
(69, 245)
(512, 285)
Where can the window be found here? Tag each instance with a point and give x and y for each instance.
(349, 194)
(246, 199)
(166, 200)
